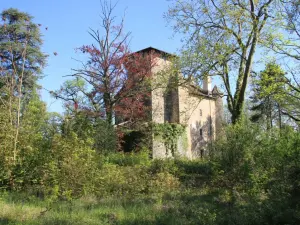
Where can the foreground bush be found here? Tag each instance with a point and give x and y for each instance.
(252, 177)
(132, 181)
(257, 174)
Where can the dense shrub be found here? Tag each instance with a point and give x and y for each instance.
(132, 181)
(163, 165)
(257, 175)
(251, 177)
(65, 169)
(235, 155)
(129, 159)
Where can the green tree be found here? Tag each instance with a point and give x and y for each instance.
(268, 95)
(289, 48)
(102, 136)
(32, 142)
(84, 118)
(222, 38)
(21, 61)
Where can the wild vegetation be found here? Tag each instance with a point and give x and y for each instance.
(72, 168)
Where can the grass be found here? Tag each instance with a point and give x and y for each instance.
(184, 204)
(171, 208)
(197, 200)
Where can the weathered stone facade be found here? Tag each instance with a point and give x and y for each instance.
(199, 110)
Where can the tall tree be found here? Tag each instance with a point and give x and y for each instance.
(106, 78)
(268, 95)
(289, 48)
(21, 61)
(222, 38)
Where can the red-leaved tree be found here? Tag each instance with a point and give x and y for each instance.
(133, 100)
(116, 80)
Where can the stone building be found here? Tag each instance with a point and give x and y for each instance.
(198, 110)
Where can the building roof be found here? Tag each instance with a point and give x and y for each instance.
(216, 91)
(156, 50)
(195, 90)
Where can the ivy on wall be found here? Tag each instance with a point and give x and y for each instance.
(169, 133)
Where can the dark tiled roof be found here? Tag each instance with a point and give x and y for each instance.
(195, 90)
(156, 50)
(216, 91)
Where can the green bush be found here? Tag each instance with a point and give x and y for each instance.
(163, 165)
(131, 181)
(129, 159)
(236, 158)
(66, 170)
(257, 175)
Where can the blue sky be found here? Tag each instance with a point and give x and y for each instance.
(69, 20)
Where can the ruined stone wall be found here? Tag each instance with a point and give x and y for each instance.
(198, 113)
(159, 84)
(219, 117)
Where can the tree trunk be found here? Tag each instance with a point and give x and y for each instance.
(108, 108)
(239, 96)
(279, 117)
(19, 102)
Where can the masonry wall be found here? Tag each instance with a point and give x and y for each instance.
(159, 85)
(198, 113)
(158, 103)
(219, 117)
